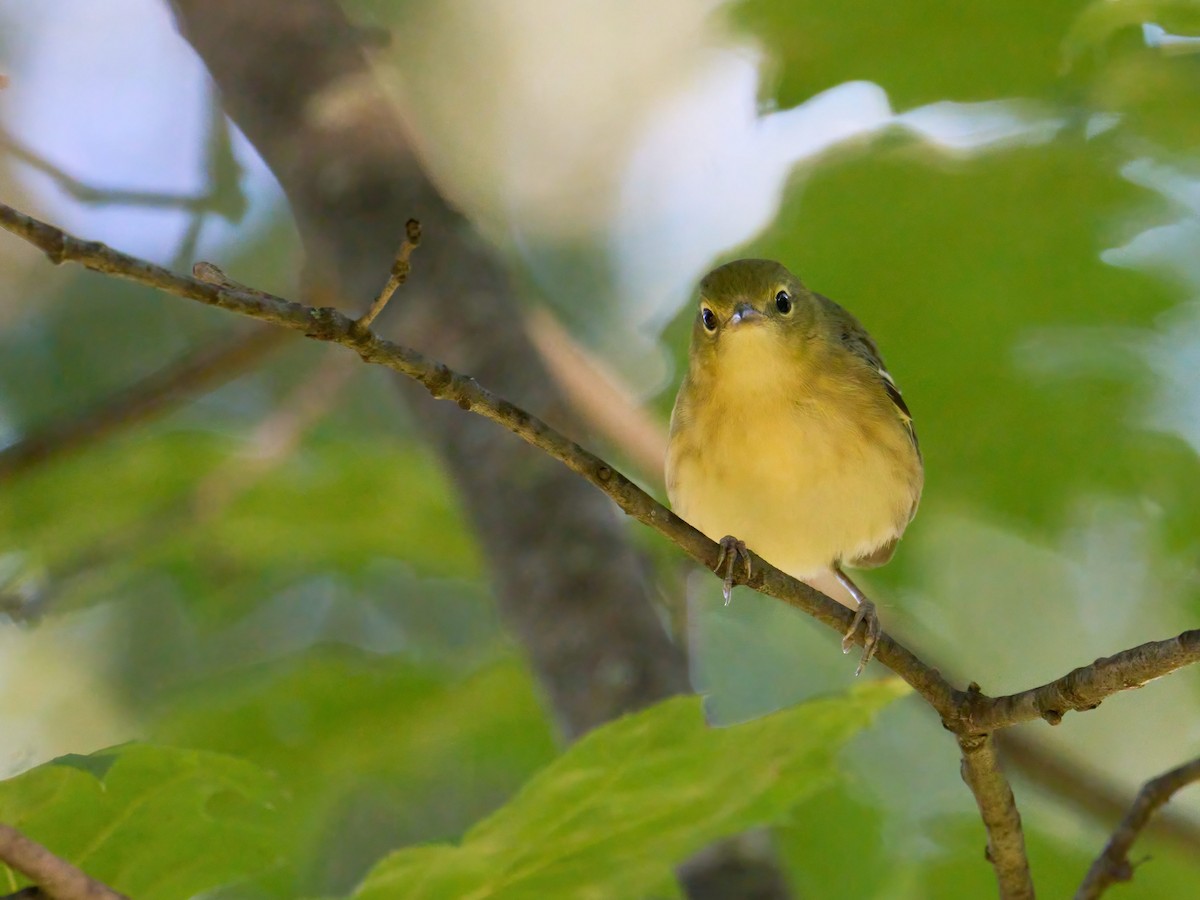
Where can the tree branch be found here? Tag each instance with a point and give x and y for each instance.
(222, 196)
(57, 878)
(1006, 843)
(567, 579)
(1084, 688)
(970, 712)
(293, 76)
(85, 193)
(1113, 865)
(327, 324)
(1079, 786)
(622, 421)
(971, 715)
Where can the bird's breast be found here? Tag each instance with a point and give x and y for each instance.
(805, 474)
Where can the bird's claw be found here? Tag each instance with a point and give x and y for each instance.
(865, 616)
(731, 551)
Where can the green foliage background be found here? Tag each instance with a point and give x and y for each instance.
(315, 677)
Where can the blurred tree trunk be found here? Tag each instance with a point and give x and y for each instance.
(293, 76)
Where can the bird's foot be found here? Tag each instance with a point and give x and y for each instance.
(731, 551)
(864, 616)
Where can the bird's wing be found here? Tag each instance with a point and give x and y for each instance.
(856, 339)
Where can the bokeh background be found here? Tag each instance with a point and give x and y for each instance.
(276, 565)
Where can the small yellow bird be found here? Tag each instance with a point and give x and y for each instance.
(789, 433)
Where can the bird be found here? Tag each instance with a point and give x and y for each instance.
(789, 436)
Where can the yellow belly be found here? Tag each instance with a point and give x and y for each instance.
(802, 486)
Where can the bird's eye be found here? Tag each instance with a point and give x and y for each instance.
(783, 302)
(709, 318)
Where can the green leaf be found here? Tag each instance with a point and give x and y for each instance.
(833, 839)
(1058, 862)
(377, 753)
(1101, 19)
(137, 505)
(956, 310)
(978, 274)
(161, 824)
(305, 717)
(621, 807)
(919, 52)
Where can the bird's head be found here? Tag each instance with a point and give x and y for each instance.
(748, 307)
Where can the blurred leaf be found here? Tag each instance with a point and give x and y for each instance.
(950, 304)
(953, 264)
(618, 809)
(160, 824)
(1099, 20)
(1133, 58)
(377, 753)
(919, 52)
(833, 846)
(347, 502)
(305, 717)
(95, 336)
(70, 508)
(335, 504)
(832, 843)
(1058, 864)
(1154, 96)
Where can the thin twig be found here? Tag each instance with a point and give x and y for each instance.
(85, 193)
(618, 417)
(961, 712)
(1085, 687)
(211, 273)
(1113, 865)
(398, 274)
(1078, 785)
(57, 878)
(329, 325)
(282, 66)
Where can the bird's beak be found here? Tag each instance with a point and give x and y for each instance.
(744, 312)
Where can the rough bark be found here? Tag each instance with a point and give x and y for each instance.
(293, 76)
